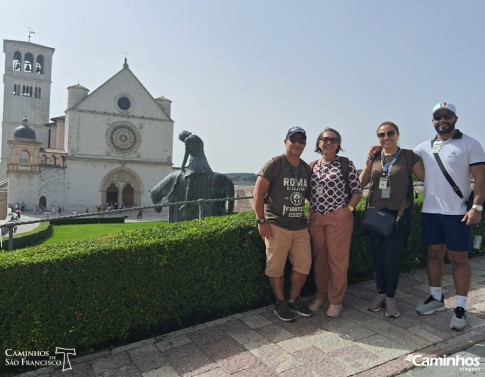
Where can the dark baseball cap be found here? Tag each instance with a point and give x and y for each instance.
(295, 130)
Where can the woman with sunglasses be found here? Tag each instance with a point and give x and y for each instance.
(389, 172)
(335, 191)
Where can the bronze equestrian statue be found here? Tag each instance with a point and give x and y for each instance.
(196, 180)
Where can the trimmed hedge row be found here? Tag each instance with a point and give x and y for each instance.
(120, 288)
(126, 286)
(22, 240)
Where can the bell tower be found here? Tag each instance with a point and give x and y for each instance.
(27, 90)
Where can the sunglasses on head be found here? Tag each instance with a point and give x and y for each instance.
(446, 116)
(382, 135)
(300, 140)
(331, 140)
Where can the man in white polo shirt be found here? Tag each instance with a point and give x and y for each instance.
(446, 219)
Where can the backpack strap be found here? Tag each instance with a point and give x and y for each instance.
(344, 168)
(276, 175)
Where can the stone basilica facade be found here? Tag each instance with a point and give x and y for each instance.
(111, 146)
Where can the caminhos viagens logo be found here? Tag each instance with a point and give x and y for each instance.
(465, 364)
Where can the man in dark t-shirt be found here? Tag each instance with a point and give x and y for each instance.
(282, 222)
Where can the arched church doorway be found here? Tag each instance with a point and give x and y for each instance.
(112, 195)
(43, 203)
(122, 186)
(128, 196)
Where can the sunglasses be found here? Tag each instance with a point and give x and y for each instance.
(446, 116)
(331, 140)
(382, 135)
(300, 140)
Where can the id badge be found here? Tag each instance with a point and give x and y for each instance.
(319, 190)
(383, 183)
(386, 193)
(437, 146)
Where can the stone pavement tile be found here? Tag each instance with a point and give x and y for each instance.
(123, 371)
(189, 360)
(111, 362)
(172, 342)
(433, 337)
(78, 370)
(383, 347)
(239, 331)
(131, 346)
(348, 329)
(165, 371)
(301, 371)
(274, 357)
(389, 368)
(256, 321)
(218, 372)
(408, 340)
(355, 358)
(231, 356)
(322, 363)
(274, 333)
(327, 341)
(207, 335)
(304, 325)
(148, 358)
(261, 370)
(294, 344)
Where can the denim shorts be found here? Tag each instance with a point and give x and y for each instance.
(447, 229)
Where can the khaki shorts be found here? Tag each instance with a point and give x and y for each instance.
(288, 244)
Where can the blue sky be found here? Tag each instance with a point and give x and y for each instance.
(240, 73)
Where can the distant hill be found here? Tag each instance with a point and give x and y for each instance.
(242, 179)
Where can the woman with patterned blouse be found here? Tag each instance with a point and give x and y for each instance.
(335, 191)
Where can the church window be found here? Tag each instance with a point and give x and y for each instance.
(17, 60)
(39, 65)
(15, 89)
(124, 103)
(24, 158)
(29, 58)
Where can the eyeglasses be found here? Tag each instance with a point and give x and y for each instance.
(446, 116)
(331, 140)
(300, 140)
(390, 133)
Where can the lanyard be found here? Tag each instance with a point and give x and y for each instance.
(387, 169)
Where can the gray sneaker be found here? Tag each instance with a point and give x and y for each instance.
(431, 305)
(459, 320)
(283, 312)
(298, 307)
(391, 308)
(377, 303)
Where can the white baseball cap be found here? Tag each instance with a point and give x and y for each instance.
(444, 105)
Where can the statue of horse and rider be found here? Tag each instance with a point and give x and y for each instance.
(195, 181)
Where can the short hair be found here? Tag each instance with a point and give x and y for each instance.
(339, 138)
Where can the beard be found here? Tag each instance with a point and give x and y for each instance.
(443, 131)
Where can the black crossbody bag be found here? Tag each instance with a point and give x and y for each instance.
(454, 186)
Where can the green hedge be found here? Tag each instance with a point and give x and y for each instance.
(21, 240)
(120, 288)
(127, 286)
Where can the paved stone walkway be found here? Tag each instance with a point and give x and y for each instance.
(256, 343)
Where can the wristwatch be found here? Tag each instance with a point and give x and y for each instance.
(478, 207)
(351, 208)
(260, 220)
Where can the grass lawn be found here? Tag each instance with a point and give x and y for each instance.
(64, 233)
